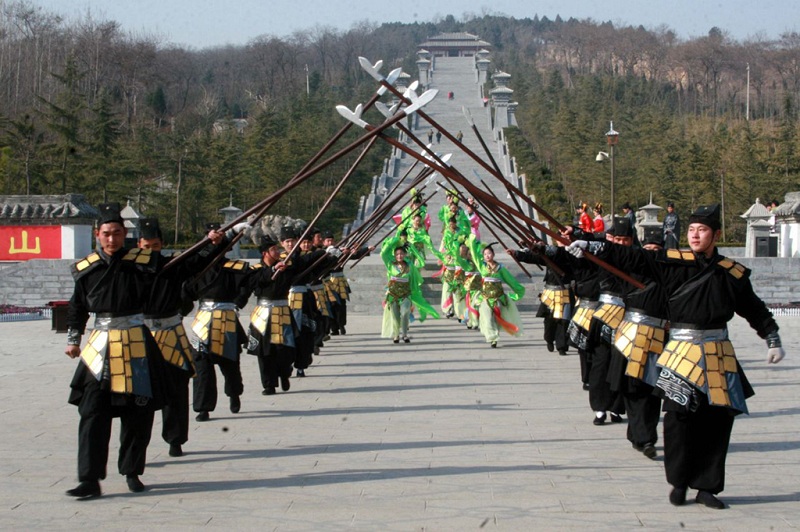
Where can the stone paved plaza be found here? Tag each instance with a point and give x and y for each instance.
(440, 434)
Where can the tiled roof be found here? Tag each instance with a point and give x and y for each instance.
(45, 207)
(455, 40)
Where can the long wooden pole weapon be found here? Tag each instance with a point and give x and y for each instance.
(476, 192)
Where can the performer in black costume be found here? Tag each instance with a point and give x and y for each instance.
(163, 315)
(218, 335)
(701, 380)
(555, 301)
(273, 331)
(121, 373)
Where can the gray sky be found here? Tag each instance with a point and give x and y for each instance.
(205, 23)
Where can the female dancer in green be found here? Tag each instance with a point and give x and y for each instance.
(402, 291)
(497, 309)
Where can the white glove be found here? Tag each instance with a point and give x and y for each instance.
(577, 247)
(241, 226)
(775, 355)
(334, 251)
(775, 352)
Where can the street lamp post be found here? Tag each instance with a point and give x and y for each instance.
(612, 137)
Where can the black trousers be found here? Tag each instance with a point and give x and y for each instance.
(94, 433)
(175, 414)
(555, 332)
(601, 397)
(696, 446)
(275, 361)
(643, 410)
(339, 318)
(586, 364)
(205, 383)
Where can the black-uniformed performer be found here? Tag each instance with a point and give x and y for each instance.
(555, 301)
(638, 342)
(702, 382)
(605, 320)
(273, 331)
(120, 374)
(218, 335)
(338, 293)
(163, 314)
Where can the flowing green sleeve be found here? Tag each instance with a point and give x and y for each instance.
(415, 282)
(476, 251)
(387, 250)
(511, 281)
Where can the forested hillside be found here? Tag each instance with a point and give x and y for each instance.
(86, 107)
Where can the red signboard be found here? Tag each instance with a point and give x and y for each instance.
(25, 242)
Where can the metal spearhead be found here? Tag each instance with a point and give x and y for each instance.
(372, 70)
(390, 79)
(352, 116)
(424, 99)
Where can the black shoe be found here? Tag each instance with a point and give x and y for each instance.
(342, 331)
(175, 449)
(406, 339)
(335, 332)
(202, 416)
(707, 498)
(616, 418)
(326, 338)
(551, 347)
(678, 496)
(88, 489)
(301, 373)
(285, 384)
(494, 344)
(649, 450)
(638, 447)
(562, 352)
(599, 420)
(586, 386)
(396, 340)
(236, 404)
(134, 484)
(268, 391)
(469, 327)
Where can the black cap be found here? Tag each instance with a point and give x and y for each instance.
(109, 213)
(149, 228)
(212, 226)
(671, 204)
(265, 243)
(314, 231)
(622, 226)
(707, 215)
(626, 205)
(653, 235)
(287, 232)
(327, 234)
(307, 237)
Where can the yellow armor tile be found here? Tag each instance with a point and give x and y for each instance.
(258, 319)
(174, 346)
(87, 261)
(235, 265)
(556, 301)
(583, 317)
(200, 324)
(707, 371)
(296, 300)
(610, 314)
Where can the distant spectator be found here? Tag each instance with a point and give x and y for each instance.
(631, 216)
(438, 137)
(771, 206)
(430, 137)
(598, 225)
(672, 228)
(459, 136)
(584, 221)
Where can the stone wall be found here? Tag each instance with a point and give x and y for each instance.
(35, 282)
